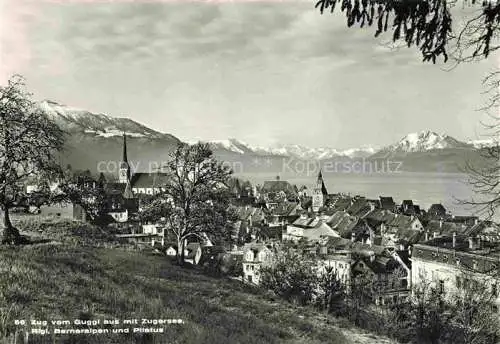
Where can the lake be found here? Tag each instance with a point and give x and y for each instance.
(423, 188)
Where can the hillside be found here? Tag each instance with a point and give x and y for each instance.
(104, 283)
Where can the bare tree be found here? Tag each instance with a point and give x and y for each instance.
(195, 200)
(475, 317)
(29, 142)
(332, 290)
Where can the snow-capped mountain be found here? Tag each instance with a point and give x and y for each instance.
(74, 120)
(296, 151)
(482, 143)
(94, 140)
(425, 141)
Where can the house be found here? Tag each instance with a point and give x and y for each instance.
(388, 271)
(148, 183)
(409, 208)
(450, 264)
(486, 230)
(345, 225)
(276, 191)
(388, 278)
(255, 256)
(435, 228)
(341, 264)
(283, 213)
(467, 220)
(387, 203)
(361, 207)
(64, 210)
(406, 205)
(401, 230)
(308, 229)
(341, 203)
(436, 211)
(156, 232)
(211, 254)
(171, 250)
(192, 253)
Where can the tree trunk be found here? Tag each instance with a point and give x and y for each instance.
(180, 252)
(10, 234)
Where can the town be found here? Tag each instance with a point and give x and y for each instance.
(396, 247)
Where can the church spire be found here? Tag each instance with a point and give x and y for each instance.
(124, 159)
(320, 184)
(124, 175)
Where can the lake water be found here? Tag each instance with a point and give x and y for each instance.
(423, 188)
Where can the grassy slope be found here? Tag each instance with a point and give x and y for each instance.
(63, 282)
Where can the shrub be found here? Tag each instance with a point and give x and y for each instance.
(291, 277)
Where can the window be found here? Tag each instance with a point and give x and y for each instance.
(441, 286)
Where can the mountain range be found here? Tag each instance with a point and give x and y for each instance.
(95, 143)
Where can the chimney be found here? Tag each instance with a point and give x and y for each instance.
(426, 236)
(435, 235)
(412, 218)
(441, 223)
(454, 239)
(353, 237)
(476, 221)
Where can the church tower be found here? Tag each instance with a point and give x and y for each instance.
(319, 193)
(124, 173)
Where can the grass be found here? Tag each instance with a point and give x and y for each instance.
(49, 282)
(71, 279)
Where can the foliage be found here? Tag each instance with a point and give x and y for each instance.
(291, 277)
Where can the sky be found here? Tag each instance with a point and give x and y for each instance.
(261, 72)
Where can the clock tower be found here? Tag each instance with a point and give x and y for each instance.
(124, 172)
(319, 193)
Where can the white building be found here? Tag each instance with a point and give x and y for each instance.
(453, 267)
(255, 256)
